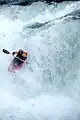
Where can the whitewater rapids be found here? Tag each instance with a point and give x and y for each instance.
(47, 88)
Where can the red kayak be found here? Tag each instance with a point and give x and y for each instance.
(15, 65)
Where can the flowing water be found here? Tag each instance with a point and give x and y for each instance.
(47, 88)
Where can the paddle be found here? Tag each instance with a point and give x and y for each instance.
(7, 52)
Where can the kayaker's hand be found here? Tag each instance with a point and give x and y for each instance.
(13, 53)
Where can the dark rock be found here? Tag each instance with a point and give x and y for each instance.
(28, 2)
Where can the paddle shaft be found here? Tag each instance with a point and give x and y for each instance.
(19, 58)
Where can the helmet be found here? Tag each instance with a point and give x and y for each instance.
(20, 50)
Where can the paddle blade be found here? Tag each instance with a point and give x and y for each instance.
(5, 51)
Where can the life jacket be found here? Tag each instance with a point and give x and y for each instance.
(22, 55)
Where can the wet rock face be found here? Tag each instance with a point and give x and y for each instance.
(27, 2)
